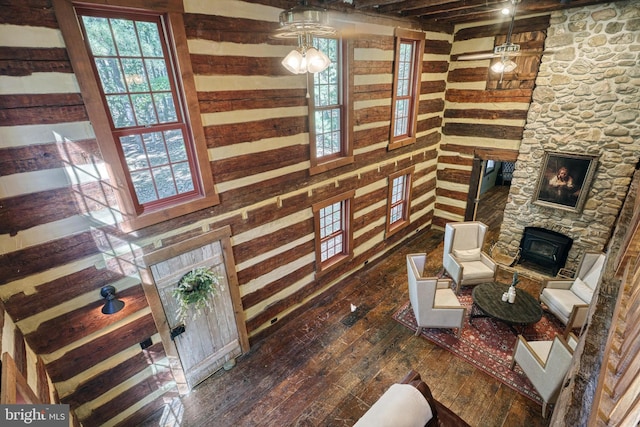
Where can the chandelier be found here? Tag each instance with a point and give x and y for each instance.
(302, 22)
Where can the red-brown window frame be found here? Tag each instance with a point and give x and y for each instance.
(347, 214)
(345, 157)
(171, 12)
(417, 38)
(393, 228)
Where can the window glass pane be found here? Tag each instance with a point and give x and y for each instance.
(397, 192)
(121, 111)
(110, 75)
(165, 108)
(182, 175)
(145, 112)
(126, 37)
(135, 75)
(158, 76)
(396, 214)
(134, 153)
(143, 185)
(99, 36)
(405, 65)
(163, 177)
(327, 131)
(401, 124)
(156, 150)
(176, 145)
(150, 39)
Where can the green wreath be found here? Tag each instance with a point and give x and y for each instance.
(194, 291)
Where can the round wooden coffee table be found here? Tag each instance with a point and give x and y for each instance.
(487, 298)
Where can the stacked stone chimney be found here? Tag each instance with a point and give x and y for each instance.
(586, 101)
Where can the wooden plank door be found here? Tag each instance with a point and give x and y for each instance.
(205, 342)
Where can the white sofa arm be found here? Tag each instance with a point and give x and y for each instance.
(402, 405)
(577, 318)
(443, 284)
(454, 268)
(557, 284)
(488, 261)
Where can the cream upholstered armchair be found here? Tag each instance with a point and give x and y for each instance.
(569, 299)
(545, 363)
(463, 258)
(433, 302)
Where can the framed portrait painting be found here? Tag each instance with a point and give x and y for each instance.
(564, 180)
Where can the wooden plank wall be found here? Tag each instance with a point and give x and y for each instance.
(58, 241)
(480, 112)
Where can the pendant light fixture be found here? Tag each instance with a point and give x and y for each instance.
(302, 22)
(506, 65)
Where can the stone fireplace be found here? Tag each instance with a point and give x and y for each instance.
(586, 101)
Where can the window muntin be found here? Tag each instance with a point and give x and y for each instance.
(328, 108)
(333, 231)
(406, 90)
(135, 77)
(399, 200)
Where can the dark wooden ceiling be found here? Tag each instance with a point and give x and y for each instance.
(453, 11)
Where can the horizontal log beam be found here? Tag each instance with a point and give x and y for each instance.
(101, 348)
(483, 131)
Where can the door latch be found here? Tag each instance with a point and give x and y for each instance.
(178, 330)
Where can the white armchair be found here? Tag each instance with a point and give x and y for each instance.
(463, 258)
(545, 363)
(433, 302)
(569, 299)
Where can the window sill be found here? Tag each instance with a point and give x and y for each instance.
(401, 143)
(331, 164)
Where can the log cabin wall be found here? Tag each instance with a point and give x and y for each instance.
(27, 364)
(61, 244)
(483, 113)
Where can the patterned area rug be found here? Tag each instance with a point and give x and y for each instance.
(487, 344)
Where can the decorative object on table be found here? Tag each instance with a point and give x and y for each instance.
(564, 180)
(194, 291)
(511, 294)
(487, 344)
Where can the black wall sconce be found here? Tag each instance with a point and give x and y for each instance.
(112, 305)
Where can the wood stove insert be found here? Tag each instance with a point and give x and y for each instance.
(547, 248)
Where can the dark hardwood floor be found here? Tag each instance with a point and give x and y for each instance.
(328, 365)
